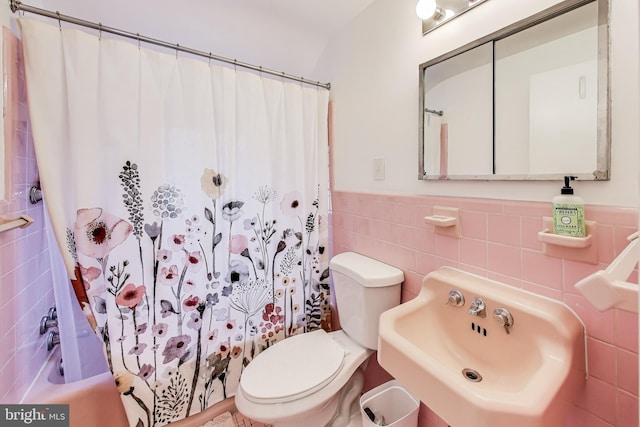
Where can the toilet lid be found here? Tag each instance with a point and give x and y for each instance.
(293, 368)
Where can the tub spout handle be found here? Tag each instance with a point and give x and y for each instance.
(60, 367)
(47, 323)
(53, 339)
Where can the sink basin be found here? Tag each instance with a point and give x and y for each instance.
(474, 371)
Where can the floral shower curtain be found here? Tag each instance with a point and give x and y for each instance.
(189, 201)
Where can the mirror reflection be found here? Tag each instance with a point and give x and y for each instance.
(528, 103)
(449, 123)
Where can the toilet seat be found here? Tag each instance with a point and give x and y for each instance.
(293, 368)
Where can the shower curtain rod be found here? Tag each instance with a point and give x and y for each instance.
(17, 5)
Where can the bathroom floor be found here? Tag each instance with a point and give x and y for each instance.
(242, 421)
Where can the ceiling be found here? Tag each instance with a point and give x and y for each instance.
(323, 17)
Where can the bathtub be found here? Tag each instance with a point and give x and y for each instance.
(95, 401)
(95, 398)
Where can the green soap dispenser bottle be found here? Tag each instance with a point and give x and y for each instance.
(568, 212)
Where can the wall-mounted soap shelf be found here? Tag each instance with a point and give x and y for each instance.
(446, 220)
(441, 221)
(582, 249)
(547, 236)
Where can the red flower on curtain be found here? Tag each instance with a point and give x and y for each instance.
(97, 232)
(130, 296)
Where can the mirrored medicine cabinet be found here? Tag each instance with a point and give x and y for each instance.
(529, 102)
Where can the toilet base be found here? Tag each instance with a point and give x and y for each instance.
(341, 411)
(349, 401)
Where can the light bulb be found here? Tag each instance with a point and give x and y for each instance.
(426, 8)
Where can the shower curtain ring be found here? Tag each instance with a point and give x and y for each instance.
(138, 37)
(177, 49)
(100, 31)
(210, 55)
(59, 23)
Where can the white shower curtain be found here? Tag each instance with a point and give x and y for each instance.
(189, 200)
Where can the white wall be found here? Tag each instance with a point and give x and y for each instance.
(373, 68)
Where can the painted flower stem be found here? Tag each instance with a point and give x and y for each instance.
(140, 403)
(206, 263)
(124, 362)
(146, 297)
(177, 295)
(303, 273)
(213, 240)
(196, 373)
(135, 328)
(244, 343)
(154, 301)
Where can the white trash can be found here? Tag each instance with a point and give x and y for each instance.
(390, 404)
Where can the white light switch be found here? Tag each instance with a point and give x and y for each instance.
(378, 169)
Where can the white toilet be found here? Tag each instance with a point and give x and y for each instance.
(315, 379)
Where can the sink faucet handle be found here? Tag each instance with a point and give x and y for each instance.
(504, 318)
(455, 298)
(478, 308)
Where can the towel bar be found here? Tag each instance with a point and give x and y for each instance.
(9, 224)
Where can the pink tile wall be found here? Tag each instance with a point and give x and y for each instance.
(499, 241)
(25, 284)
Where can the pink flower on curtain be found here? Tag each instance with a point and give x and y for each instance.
(213, 183)
(194, 260)
(97, 232)
(176, 348)
(169, 276)
(191, 303)
(195, 322)
(291, 204)
(89, 274)
(238, 243)
(164, 255)
(176, 242)
(189, 285)
(212, 336)
(145, 371)
(160, 330)
(130, 296)
(138, 349)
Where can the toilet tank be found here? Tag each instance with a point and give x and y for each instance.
(364, 289)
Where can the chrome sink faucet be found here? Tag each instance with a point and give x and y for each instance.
(478, 308)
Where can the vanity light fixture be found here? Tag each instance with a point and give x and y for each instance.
(434, 13)
(426, 9)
